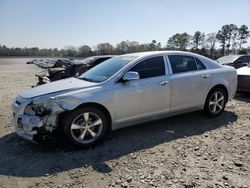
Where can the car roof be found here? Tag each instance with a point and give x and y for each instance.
(166, 52)
(208, 62)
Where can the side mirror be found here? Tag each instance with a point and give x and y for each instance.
(131, 76)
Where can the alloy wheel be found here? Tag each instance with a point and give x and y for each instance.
(86, 127)
(216, 102)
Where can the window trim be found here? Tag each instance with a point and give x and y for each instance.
(202, 64)
(167, 72)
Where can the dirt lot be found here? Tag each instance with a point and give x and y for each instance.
(189, 150)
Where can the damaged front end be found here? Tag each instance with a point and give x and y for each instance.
(36, 118)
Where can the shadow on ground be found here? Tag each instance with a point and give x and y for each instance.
(22, 159)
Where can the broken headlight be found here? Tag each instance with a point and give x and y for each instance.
(36, 109)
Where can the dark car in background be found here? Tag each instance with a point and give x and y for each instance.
(65, 68)
(235, 61)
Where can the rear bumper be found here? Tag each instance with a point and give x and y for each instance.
(232, 89)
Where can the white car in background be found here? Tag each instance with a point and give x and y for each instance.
(244, 79)
(123, 91)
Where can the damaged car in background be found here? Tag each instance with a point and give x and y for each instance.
(65, 68)
(122, 91)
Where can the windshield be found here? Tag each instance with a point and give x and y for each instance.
(106, 69)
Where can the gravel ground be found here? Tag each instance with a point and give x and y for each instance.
(189, 150)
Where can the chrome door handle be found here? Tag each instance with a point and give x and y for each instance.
(163, 83)
(206, 75)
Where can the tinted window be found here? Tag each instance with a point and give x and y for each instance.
(242, 60)
(150, 67)
(200, 65)
(182, 63)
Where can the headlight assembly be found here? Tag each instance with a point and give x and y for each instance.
(36, 109)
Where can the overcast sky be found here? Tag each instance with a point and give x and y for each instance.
(58, 23)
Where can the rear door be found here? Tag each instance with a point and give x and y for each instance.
(190, 81)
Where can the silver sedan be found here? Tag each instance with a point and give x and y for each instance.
(123, 91)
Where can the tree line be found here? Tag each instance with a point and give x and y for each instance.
(230, 39)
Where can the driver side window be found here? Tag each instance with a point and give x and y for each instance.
(151, 67)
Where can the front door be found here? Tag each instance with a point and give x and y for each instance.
(147, 97)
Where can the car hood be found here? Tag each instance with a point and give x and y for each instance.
(243, 71)
(228, 59)
(60, 86)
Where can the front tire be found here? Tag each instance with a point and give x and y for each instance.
(215, 102)
(85, 126)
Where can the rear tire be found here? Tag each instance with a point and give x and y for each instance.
(215, 102)
(85, 126)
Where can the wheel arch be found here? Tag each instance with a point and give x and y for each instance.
(221, 86)
(89, 104)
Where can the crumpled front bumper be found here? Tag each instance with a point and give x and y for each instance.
(33, 127)
(27, 126)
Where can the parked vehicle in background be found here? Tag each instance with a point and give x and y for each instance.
(244, 79)
(65, 68)
(123, 91)
(235, 61)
